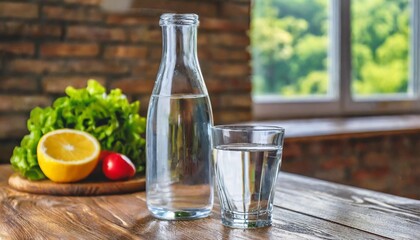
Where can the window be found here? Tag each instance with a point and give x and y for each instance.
(290, 48)
(380, 39)
(335, 57)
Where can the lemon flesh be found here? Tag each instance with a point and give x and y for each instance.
(67, 155)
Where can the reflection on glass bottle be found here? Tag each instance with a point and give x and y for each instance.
(179, 174)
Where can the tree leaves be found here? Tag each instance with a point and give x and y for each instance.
(290, 47)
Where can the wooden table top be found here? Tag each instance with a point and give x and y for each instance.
(305, 208)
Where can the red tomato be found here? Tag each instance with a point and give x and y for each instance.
(98, 173)
(117, 166)
(104, 154)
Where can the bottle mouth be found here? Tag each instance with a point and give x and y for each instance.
(189, 19)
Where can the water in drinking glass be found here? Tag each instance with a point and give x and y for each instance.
(246, 174)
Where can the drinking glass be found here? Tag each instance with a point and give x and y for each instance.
(246, 161)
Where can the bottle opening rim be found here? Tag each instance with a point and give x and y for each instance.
(188, 19)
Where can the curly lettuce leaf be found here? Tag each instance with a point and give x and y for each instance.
(109, 117)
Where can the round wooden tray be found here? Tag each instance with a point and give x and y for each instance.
(85, 188)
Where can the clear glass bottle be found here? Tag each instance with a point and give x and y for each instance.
(179, 180)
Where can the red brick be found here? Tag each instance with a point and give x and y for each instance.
(202, 8)
(315, 148)
(376, 184)
(18, 84)
(132, 20)
(375, 159)
(21, 29)
(236, 101)
(410, 191)
(95, 33)
(336, 175)
(155, 53)
(231, 116)
(360, 147)
(302, 167)
(202, 40)
(204, 53)
(217, 24)
(291, 150)
(22, 103)
(18, 48)
(74, 66)
(69, 50)
(215, 101)
(70, 14)
(99, 67)
(145, 35)
(84, 2)
(207, 69)
(59, 84)
(240, 84)
(18, 10)
(13, 126)
(125, 52)
(134, 86)
(240, 1)
(33, 66)
(227, 85)
(338, 163)
(235, 9)
(364, 174)
(224, 54)
(147, 69)
(231, 70)
(230, 40)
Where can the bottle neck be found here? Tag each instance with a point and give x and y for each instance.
(179, 71)
(180, 44)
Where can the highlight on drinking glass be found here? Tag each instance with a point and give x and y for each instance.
(246, 163)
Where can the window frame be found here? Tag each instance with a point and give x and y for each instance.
(341, 102)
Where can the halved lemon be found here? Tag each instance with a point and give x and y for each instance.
(68, 155)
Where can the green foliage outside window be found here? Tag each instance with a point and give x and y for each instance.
(290, 47)
(380, 40)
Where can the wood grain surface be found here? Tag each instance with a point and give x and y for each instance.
(305, 209)
(84, 188)
(379, 213)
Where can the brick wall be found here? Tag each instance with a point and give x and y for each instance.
(386, 163)
(46, 45)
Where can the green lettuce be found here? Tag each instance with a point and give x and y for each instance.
(109, 117)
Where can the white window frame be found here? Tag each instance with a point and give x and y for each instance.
(341, 102)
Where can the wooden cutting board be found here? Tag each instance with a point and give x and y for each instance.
(90, 187)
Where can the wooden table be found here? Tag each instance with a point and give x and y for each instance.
(305, 208)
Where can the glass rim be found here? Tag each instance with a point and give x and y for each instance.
(186, 19)
(248, 128)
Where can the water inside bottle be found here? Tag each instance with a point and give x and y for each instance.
(179, 143)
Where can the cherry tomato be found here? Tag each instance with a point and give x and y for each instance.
(104, 154)
(97, 172)
(117, 166)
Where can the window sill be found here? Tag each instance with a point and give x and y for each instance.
(333, 128)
